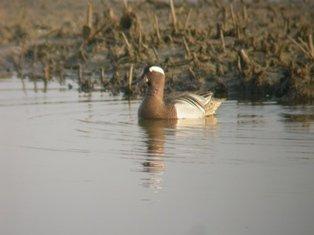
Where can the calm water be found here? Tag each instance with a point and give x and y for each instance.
(73, 163)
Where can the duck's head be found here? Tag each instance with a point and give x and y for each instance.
(154, 76)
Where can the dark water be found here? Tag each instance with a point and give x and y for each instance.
(82, 164)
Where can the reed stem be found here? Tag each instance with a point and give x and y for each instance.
(244, 11)
(102, 75)
(245, 58)
(157, 28)
(89, 18)
(47, 72)
(187, 49)
(222, 38)
(80, 74)
(156, 54)
(129, 48)
(173, 14)
(304, 50)
(130, 78)
(310, 45)
(125, 4)
(233, 16)
(187, 19)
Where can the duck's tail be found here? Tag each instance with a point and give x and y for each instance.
(210, 103)
(212, 106)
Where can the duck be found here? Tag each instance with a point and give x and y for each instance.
(185, 106)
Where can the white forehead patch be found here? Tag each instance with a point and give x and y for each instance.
(156, 69)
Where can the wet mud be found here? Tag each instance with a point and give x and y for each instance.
(239, 49)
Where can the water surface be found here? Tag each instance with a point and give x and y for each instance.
(74, 163)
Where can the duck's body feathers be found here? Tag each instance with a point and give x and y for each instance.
(191, 105)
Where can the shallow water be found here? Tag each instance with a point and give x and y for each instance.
(73, 163)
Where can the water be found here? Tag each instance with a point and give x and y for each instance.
(73, 163)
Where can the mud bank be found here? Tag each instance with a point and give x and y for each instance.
(238, 49)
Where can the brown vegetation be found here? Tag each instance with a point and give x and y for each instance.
(247, 49)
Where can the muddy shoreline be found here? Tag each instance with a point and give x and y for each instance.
(239, 49)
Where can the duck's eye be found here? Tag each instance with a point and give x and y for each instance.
(147, 80)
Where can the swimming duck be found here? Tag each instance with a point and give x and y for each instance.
(187, 105)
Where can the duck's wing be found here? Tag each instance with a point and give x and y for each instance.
(190, 105)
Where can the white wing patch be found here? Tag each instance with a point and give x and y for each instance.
(156, 69)
(186, 110)
(196, 106)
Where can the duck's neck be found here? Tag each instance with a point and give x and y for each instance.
(155, 93)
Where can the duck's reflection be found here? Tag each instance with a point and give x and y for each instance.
(156, 132)
(154, 164)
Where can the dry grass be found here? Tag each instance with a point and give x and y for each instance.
(249, 49)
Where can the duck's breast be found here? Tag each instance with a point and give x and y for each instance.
(151, 108)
